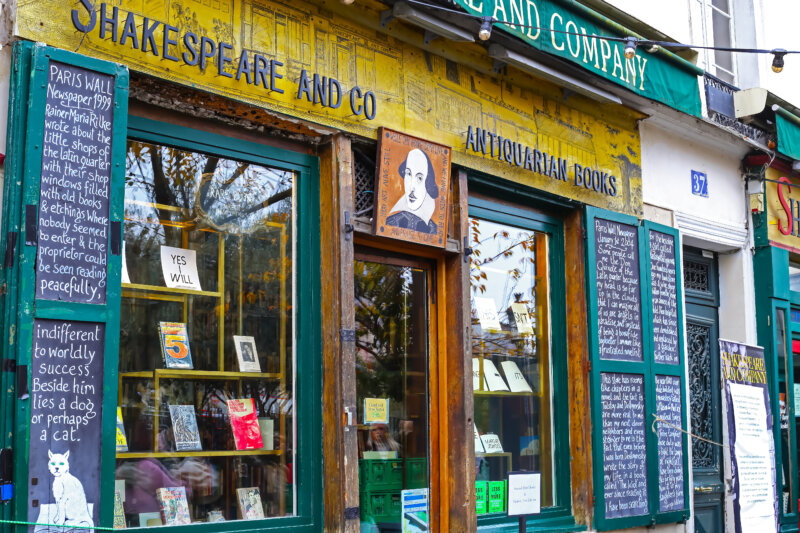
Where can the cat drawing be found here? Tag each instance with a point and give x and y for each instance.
(71, 506)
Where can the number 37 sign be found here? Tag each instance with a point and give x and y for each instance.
(699, 183)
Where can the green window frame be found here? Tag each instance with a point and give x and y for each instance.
(26, 113)
(557, 518)
(647, 368)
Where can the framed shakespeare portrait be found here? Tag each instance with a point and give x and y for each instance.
(411, 184)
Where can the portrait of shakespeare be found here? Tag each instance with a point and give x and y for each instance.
(416, 207)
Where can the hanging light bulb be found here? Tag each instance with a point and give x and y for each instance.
(777, 59)
(630, 47)
(347, 2)
(486, 29)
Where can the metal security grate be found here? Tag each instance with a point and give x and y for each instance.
(364, 176)
(695, 276)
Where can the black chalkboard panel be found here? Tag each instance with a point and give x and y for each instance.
(66, 405)
(665, 298)
(670, 444)
(619, 303)
(75, 185)
(624, 445)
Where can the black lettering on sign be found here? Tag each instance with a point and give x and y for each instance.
(665, 298)
(670, 444)
(624, 445)
(619, 303)
(76, 178)
(66, 402)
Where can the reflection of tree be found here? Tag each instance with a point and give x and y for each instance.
(383, 336)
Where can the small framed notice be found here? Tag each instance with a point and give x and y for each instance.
(491, 443)
(179, 266)
(246, 354)
(524, 493)
(376, 410)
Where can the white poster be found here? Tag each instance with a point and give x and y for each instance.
(493, 377)
(487, 314)
(476, 376)
(753, 460)
(516, 381)
(414, 505)
(179, 266)
(125, 277)
(491, 443)
(524, 493)
(522, 319)
(478, 444)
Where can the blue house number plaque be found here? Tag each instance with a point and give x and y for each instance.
(699, 184)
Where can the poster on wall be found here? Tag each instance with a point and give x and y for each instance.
(411, 185)
(751, 457)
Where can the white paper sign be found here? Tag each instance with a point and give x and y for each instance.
(125, 277)
(516, 381)
(478, 444)
(522, 319)
(487, 314)
(493, 377)
(524, 493)
(491, 443)
(796, 400)
(179, 266)
(476, 375)
(753, 458)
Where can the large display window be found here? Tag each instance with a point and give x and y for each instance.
(518, 356)
(207, 422)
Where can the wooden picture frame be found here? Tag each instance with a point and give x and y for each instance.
(411, 183)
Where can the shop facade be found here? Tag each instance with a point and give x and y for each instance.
(255, 251)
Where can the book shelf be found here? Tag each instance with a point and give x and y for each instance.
(244, 277)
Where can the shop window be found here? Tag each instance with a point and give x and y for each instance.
(794, 277)
(717, 23)
(519, 356)
(209, 371)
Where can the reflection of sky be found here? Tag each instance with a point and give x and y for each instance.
(495, 239)
(794, 277)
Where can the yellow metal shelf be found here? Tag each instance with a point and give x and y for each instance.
(200, 453)
(503, 393)
(158, 288)
(174, 373)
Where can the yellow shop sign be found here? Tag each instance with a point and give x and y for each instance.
(313, 61)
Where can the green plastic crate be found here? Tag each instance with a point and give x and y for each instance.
(380, 474)
(380, 506)
(416, 473)
(480, 497)
(497, 496)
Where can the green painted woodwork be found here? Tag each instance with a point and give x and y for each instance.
(559, 517)
(647, 368)
(771, 272)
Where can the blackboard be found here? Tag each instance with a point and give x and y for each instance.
(670, 443)
(66, 405)
(619, 303)
(624, 445)
(665, 298)
(75, 184)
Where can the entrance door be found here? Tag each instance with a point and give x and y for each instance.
(393, 373)
(702, 334)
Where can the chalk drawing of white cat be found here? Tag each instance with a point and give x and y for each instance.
(71, 506)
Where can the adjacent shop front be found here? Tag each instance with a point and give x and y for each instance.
(279, 267)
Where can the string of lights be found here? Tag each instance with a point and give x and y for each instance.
(631, 42)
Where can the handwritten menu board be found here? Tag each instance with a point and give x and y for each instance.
(619, 305)
(75, 186)
(624, 444)
(66, 402)
(670, 443)
(665, 298)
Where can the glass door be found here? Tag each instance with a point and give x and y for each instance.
(392, 311)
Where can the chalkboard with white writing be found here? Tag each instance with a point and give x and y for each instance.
(619, 302)
(624, 445)
(670, 443)
(665, 298)
(65, 430)
(73, 225)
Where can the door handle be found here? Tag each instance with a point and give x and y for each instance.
(704, 489)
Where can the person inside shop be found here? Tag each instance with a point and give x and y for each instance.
(415, 208)
(380, 439)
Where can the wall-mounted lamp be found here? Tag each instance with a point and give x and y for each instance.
(434, 27)
(502, 57)
(777, 59)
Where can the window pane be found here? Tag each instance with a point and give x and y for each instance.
(794, 277)
(511, 356)
(391, 312)
(206, 344)
(722, 37)
(722, 5)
